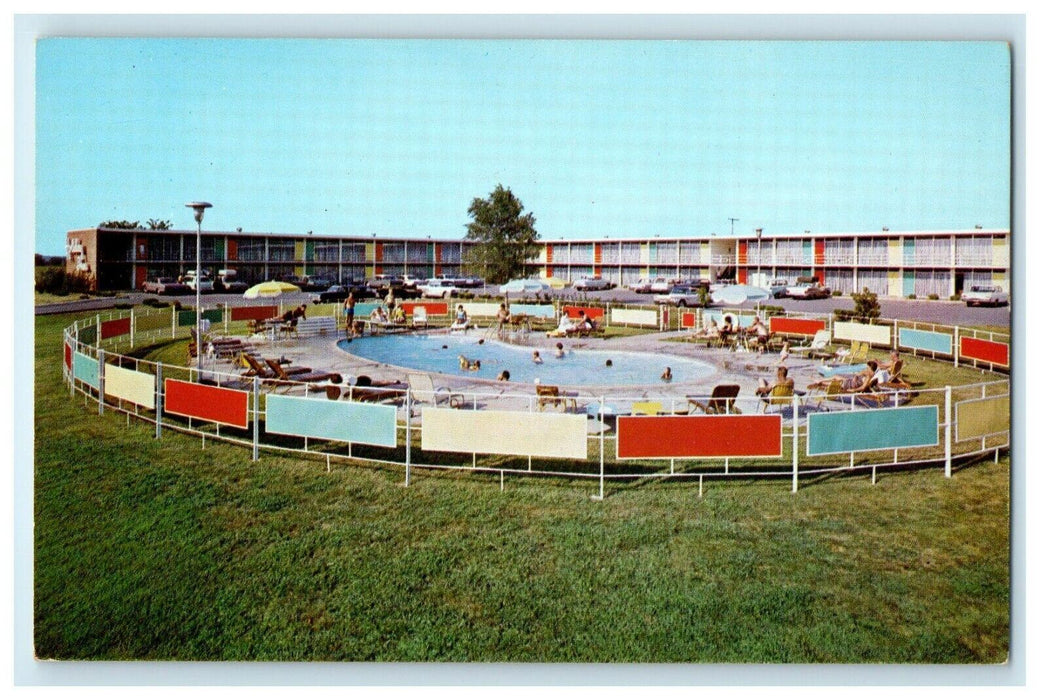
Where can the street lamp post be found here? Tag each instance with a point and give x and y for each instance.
(759, 254)
(198, 214)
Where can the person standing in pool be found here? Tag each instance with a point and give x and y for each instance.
(537, 358)
(559, 351)
(667, 375)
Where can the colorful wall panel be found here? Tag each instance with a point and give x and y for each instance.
(504, 432)
(930, 341)
(876, 429)
(863, 332)
(642, 437)
(796, 326)
(347, 421)
(590, 311)
(130, 385)
(980, 417)
(640, 317)
(253, 313)
(986, 351)
(85, 369)
(209, 403)
(115, 327)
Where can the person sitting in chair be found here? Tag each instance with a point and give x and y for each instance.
(461, 319)
(782, 379)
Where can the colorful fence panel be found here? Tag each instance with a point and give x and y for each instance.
(862, 332)
(504, 433)
(345, 421)
(929, 341)
(85, 369)
(88, 335)
(642, 437)
(131, 385)
(432, 308)
(980, 417)
(115, 327)
(68, 356)
(796, 326)
(252, 313)
(875, 429)
(153, 321)
(590, 311)
(209, 403)
(480, 308)
(538, 310)
(187, 317)
(985, 350)
(639, 317)
(688, 319)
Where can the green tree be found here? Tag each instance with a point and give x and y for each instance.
(158, 225)
(504, 237)
(119, 224)
(866, 305)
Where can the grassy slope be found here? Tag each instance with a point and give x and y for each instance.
(160, 550)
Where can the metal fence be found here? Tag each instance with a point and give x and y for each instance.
(607, 438)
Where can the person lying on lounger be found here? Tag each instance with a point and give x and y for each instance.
(853, 384)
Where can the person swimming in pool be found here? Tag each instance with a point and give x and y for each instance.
(608, 363)
(467, 364)
(504, 376)
(667, 375)
(537, 358)
(559, 351)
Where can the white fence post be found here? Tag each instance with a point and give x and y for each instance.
(407, 459)
(101, 378)
(948, 432)
(601, 418)
(955, 346)
(254, 437)
(133, 324)
(159, 399)
(796, 443)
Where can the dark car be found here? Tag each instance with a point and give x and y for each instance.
(164, 285)
(808, 291)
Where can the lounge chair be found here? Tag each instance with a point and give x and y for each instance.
(423, 391)
(550, 395)
(780, 396)
(647, 408)
(368, 391)
(311, 376)
(817, 346)
(721, 401)
(420, 317)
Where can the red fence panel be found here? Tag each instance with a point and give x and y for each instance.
(699, 436)
(796, 326)
(209, 403)
(986, 351)
(68, 357)
(118, 326)
(433, 308)
(688, 319)
(591, 311)
(253, 313)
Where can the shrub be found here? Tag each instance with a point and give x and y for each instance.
(954, 297)
(772, 310)
(837, 293)
(911, 296)
(932, 297)
(866, 305)
(123, 305)
(55, 280)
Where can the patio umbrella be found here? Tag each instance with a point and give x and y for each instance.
(270, 289)
(524, 286)
(739, 294)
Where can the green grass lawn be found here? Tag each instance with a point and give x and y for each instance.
(160, 550)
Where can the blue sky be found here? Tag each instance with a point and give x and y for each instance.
(619, 138)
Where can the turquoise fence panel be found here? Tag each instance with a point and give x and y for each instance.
(539, 310)
(925, 340)
(85, 369)
(877, 429)
(346, 421)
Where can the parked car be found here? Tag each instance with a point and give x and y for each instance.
(412, 282)
(206, 283)
(592, 284)
(662, 285)
(334, 293)
(778, 288)
(641, 286)
(808, 290)
(984, 295)
(226, 281)
(382, 283)
(469, 282)
(315, 284)
(164, 285)
(438, 288)
(681, 295)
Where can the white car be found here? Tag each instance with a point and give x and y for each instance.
(206, 283)
(984, 295)
(439, 289)
(641, 286)
(592, 284)
(680, 296)
(661, 285)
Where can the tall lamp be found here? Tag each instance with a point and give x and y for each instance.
(198, 214)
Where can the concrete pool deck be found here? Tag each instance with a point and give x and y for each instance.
(732, 367)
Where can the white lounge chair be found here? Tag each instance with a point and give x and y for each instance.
(817, 346)
(423, 391)
(420, 317)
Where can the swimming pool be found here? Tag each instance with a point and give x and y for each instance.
(439, 353)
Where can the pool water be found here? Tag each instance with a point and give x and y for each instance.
(439, 352)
